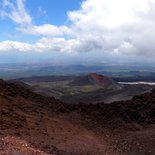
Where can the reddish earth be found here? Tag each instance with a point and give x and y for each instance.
(100, 79)
(31, 124)
(95, 79)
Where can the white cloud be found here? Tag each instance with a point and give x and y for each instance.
(43, 45)
(41, 12)
(45, 30)
(109, 14)
(55, 44)
(110, 26)
(124, 26)
(16, 11)
(51, 45)
(14, 46)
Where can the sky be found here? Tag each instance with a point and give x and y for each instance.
(77, 31)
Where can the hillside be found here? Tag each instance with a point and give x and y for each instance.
(91, 87)
(34, 124)
(96, 79)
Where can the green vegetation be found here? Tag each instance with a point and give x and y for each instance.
(63, 88)
(75, 89)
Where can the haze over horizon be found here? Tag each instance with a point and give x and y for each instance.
(79, 31)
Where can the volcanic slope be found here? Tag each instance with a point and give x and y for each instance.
(33, 124)
(95, 79)
(92, 88)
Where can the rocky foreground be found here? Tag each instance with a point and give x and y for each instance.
(31, 124)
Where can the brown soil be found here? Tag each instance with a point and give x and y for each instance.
(31, 124)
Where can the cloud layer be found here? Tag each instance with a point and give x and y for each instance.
(120, 27)
(16, 12)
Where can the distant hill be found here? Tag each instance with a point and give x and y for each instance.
(74, 89)
(54, 78)
(96, 79)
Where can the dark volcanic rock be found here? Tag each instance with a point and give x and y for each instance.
(49, 126)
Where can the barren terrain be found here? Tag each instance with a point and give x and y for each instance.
(36, 125)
